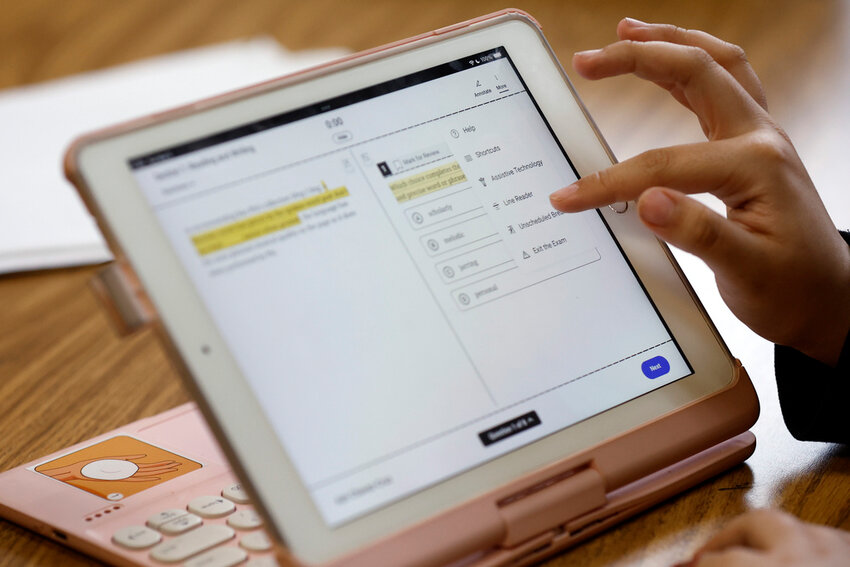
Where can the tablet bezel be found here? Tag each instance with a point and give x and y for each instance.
(100, 166)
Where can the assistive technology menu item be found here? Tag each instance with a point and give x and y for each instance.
(385, 266)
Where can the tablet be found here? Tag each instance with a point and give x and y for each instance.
(386, 322)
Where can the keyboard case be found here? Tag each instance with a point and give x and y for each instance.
(536, 515)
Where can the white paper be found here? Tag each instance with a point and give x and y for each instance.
(43, 222)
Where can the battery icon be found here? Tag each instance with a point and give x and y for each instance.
(497, 54)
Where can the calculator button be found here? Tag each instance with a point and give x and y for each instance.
(136, 537)
(211, 506)
(256, 541)
(163, 517)
(236, 493)
(245, 520)
(191, 543)
(218, 557)
(266, 561)
(182, 524)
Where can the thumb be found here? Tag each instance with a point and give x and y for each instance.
(693, 227)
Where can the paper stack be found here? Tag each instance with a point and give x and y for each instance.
(43, 222)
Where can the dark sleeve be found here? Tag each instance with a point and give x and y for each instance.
(814, 397)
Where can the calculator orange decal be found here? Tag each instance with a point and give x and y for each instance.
(117, 467)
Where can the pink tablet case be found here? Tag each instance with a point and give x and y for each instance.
(518, 524)
(536, 516)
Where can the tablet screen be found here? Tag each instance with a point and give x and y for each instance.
(389, 275)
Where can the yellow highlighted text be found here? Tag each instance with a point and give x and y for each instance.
(255, 226)
(427, 182)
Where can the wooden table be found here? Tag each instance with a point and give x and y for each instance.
(66, 376)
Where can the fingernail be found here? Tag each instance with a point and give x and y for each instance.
(588, 53)
(563, 194)
(656, 208)
(635, 23)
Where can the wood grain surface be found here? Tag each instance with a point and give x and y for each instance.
(65, 376)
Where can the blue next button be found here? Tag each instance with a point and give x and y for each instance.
(655, 367)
